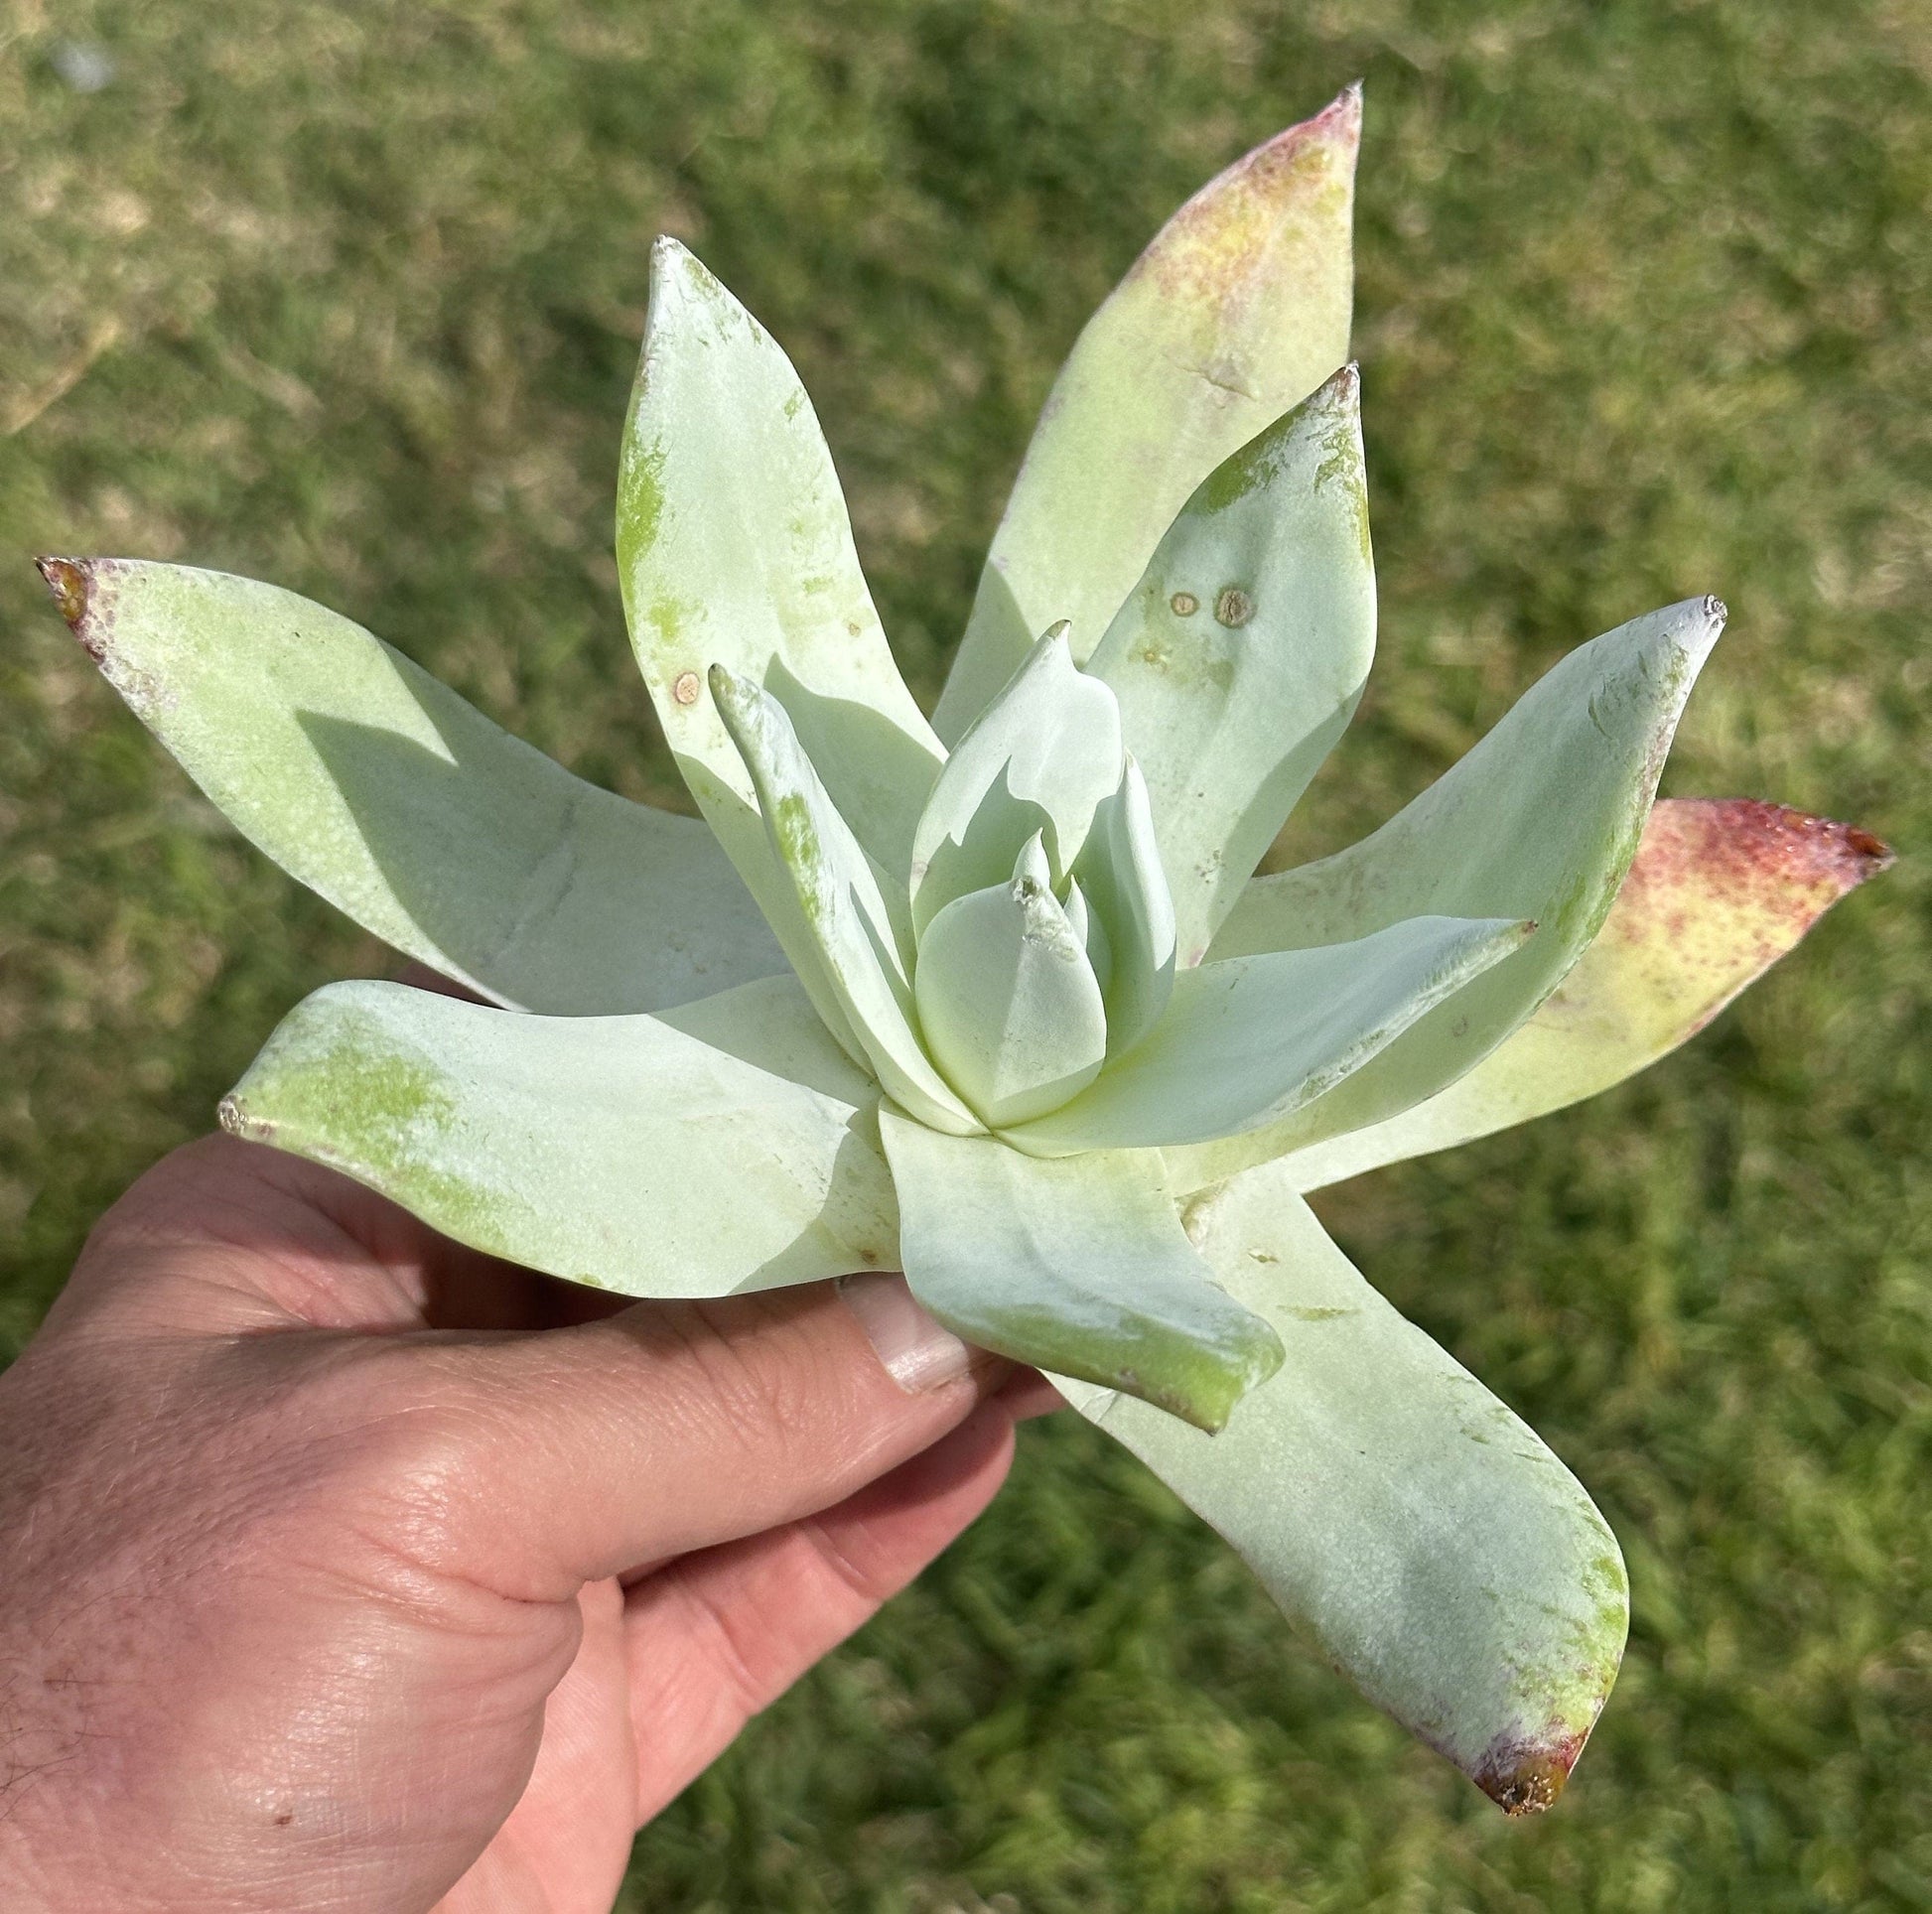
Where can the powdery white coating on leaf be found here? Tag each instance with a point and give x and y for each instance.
(773, 1026)
(1437, 1553)
(1238, 308)
(1038, 760)
(378, 788)
(1120, 870)
(1245, 1040)
(1081, 1267)
(733, 548)
(619, 1152)
(1009, 1005)
(1231, 704)
(1539, 821)
(855, 957)
(1090, 928)
(1720, 889)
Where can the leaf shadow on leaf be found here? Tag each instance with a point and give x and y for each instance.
(995, 646)
(999, 830)
(877, 776)
(548, 894)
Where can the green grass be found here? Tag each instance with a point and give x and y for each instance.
(349, 298)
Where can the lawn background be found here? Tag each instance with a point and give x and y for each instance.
(349, 297)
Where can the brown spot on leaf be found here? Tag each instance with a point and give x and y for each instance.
(1234, 608)
(684, 687)
(1183, 604)
(1878, 856)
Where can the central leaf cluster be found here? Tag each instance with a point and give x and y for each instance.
(1044, 931)
(1030, 939)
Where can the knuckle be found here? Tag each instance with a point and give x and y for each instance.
(394, 1429)
(761, 1380)
(843, 1566)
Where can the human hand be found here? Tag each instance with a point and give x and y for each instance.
(343, 1569)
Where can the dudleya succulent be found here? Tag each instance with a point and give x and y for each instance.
(997, 999)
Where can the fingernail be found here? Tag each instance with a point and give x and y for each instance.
(919, 1353)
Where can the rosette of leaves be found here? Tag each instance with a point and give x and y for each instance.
(995, 998)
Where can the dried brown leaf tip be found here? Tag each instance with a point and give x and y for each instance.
(1526, 1777)
(67, 580)
(1749, 855)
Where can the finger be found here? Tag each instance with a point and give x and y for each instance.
(1027, 1395)
(560, 1458)
(226, 1237)
(566, 1841)
(717, 1637)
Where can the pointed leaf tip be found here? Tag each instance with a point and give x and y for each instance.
(681, 282)
(1236, 311)
(1524, 1775)
(71, 580)
(1874, 854)
(672, 258)
(1698, 636)
(730, 692)
(1264, 168)
(1743, 853)
(1719, 890)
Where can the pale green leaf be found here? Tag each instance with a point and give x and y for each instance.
(733, 548)
(1432, 1546)
(1721, 889)
(382, 789)
(1081, 1268)
(1041, 758)
(1127, 892)
(853, 962)
(1246, 1040)
(1237, 310)
(1240, 656)
(1539, 821)
(1087, 926)
(615, 1151)
(773, 1026)
(1008, 1002)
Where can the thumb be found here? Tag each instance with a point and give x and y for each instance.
(575, 1453)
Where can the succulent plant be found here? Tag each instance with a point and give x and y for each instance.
(997, 999)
